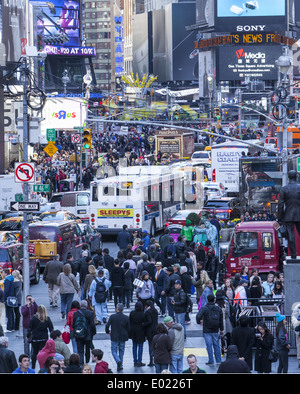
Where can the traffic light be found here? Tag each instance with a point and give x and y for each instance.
(176, 114)
(87, 139)
(217, 113)
(242, 105)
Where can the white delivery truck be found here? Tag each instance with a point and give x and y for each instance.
(225, 165)
(8, 190)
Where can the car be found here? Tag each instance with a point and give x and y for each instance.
(180, 216)
(91, 237)
(12, 257)
(57, 215)
(213, 190)
(225, 208)
(203, 156)
(12, 224)
(7, 236)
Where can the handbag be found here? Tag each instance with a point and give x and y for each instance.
(12, 302)
(273, 355)
(66, 334)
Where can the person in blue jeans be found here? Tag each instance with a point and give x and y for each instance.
(118, 328)
(211, 315)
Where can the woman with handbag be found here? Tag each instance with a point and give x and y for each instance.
(264, 343)
(18, 282)
(67, 287)
(40, 327)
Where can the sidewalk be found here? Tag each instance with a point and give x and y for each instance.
(194, 343)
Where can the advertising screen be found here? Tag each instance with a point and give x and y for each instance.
(239, 62)
(64, 17)
(241, 15)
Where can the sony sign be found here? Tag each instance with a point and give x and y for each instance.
(251, 28)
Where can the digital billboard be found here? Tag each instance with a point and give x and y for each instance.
(63, 18)
(236, 63)
(241, 15)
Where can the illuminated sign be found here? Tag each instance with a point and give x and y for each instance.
(115, 213)
(119, 39)
(245, 39)
(70, 51)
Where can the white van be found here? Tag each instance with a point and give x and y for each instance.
(76, 202)
(213, 190)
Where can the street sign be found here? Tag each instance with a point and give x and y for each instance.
(50, 135)
(24, 173)
(25, 206)
(75, 138)
(41, 188)
(50, 149)
(31, 248)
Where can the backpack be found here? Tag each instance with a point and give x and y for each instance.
(80, 326)
(101, 293)
(213, 321)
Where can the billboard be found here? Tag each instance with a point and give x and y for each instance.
(141, 44)
(252, 15)
(236, 63)
(63, 18)
(14, 34)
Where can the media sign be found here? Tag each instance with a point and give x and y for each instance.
(252, 15)
(70, 51)
(239, 62)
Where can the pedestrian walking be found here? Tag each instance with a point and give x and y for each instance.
(233, 364)
(60, 346)
(128, 286)
(160, 278)
(18, 284)
(47, 351)
(212, 317)
(180, 304)
(263, 345)
(92, 274)
(243, 337)
(145, 292)
(170, 290)
(282, 344)
(9, 291)
(84, 331)
(68, 286)
(176, 333)
(40, 327)
(118, 328)
(123, 238)
(149, 326)
(137, 333)
(75, 306)
(199, 280)
(162, 346)
(52, 270)
(117, 279)
(98, 294)
(28, 311)
(8, 361)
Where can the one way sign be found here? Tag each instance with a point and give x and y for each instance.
(24, 206)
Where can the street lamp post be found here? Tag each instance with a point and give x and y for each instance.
(210, 90)
(284, 63)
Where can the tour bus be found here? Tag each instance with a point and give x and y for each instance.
(142, 197)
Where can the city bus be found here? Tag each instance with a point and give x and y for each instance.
(142, 197)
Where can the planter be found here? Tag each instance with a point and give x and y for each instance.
(225, 234)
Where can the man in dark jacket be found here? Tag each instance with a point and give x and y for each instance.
(233, 363)
(9, 291)
(109, 265)
(84, 344)
(123, 238)
(243, 337)
(180, 304)
(117, 278)
(8, 361)
(170, 289)
(52, 270)
(211, 265)
(164, 239)
(160, 277)
(118, 327)
(212, 317)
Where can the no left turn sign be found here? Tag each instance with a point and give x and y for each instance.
(75, 138)
(24, 173)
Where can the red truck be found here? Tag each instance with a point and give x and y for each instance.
(257, 245)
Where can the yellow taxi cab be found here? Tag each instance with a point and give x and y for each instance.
(58, 215)
(12, 224)
(1, 281)
(7, 236)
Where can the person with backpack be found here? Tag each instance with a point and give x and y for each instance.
(99, 294)
(84, 331)
(211, 316)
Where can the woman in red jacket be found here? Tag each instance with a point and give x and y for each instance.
(75, 306)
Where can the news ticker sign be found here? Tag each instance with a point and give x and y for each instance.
(70, 51)
(261, 38)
